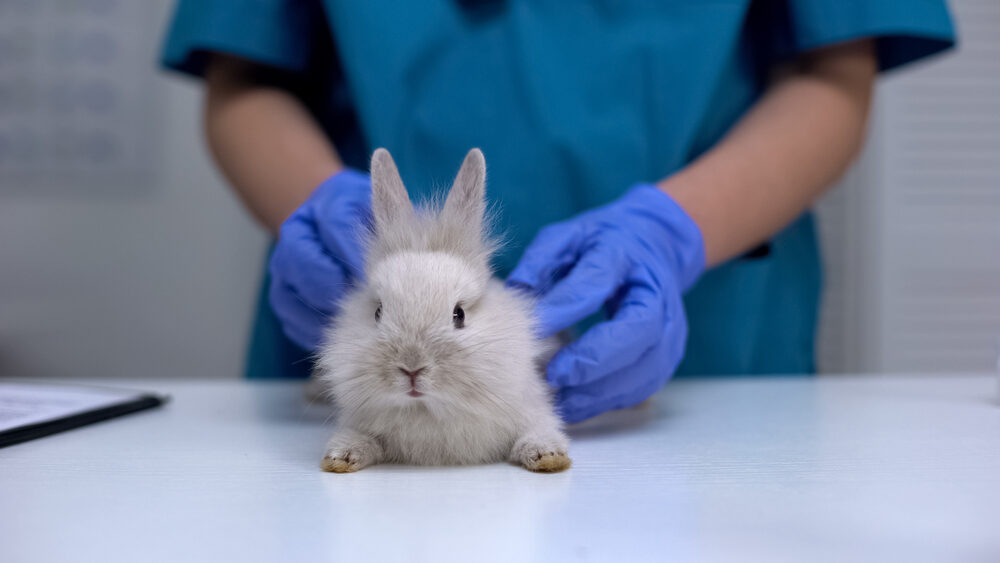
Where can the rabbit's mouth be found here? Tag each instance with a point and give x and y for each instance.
(414, 393)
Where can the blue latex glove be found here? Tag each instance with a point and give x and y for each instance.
(635, 257)
(318, 255)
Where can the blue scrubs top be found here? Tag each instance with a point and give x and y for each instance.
(572, 103)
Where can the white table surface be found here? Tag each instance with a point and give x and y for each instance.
(775, 469)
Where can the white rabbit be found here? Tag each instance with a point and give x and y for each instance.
(432, 361)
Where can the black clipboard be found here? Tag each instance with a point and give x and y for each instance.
(118, 403)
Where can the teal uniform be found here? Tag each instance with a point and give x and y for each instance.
(572, 103)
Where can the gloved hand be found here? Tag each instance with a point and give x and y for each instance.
(318, 255)
(634, 256)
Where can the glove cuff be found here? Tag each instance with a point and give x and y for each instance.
(345, 174)
(683, 236)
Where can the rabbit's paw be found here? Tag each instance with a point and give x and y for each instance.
(341, 462)
(349, 452)
(542, 455)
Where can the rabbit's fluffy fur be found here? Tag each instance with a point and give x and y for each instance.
(478, 396)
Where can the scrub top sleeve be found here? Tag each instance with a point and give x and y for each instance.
(904, 30)
(277, 33)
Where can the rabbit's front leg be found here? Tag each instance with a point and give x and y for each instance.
(543, 450)
(349, 450)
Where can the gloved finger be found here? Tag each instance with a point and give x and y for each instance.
(301, 323)
(342, 223)
(624, 389)
(597, 275)
(553, 250)
(344, 242)
(300, 261)
(634, 383)
(351, 247)
(614, 344)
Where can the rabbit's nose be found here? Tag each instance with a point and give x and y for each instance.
(411, 374)
(413, 380)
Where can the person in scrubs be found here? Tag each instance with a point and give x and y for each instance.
(653, 161)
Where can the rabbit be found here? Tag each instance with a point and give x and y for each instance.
(431, 360)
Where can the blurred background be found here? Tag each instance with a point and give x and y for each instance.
(123, 254)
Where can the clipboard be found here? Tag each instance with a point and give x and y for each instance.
(30, 410)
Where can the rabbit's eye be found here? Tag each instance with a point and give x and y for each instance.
(458, 316)
(378, 313)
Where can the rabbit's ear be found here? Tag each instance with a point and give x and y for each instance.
(466, 201)
(390, 203)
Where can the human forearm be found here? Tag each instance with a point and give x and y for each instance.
(265, 141)
(794, 144)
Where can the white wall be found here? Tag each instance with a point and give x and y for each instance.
(149, 278)
(912, 233)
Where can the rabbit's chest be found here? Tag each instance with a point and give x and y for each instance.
(430, 441)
